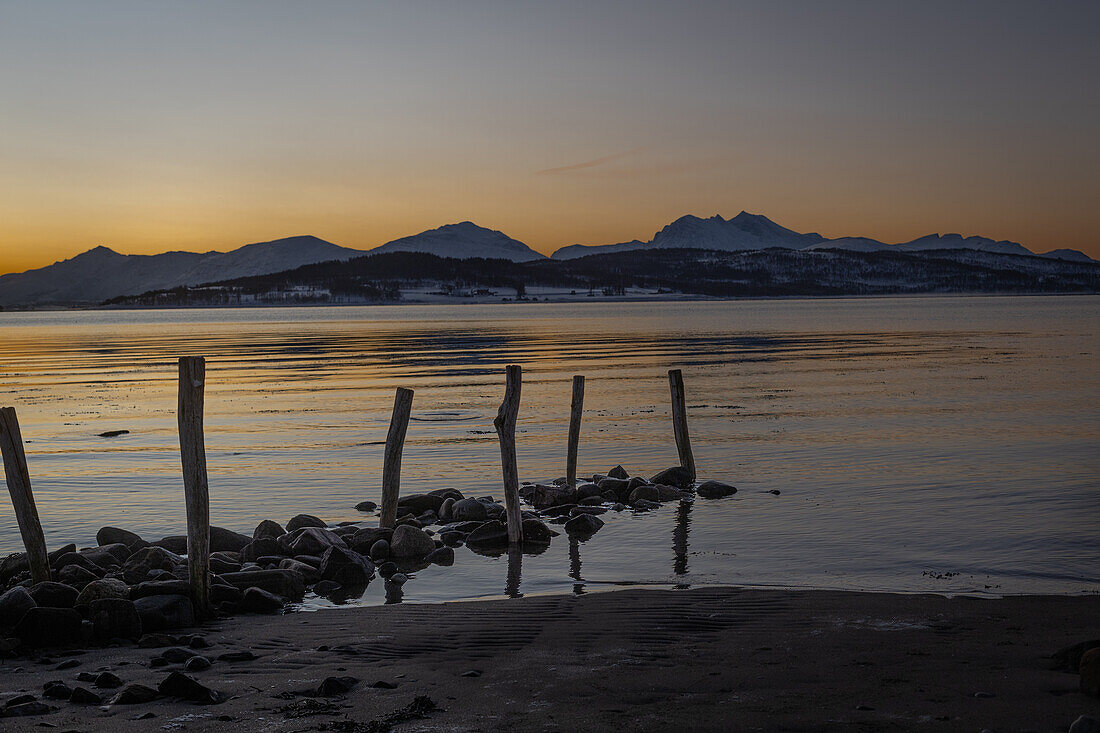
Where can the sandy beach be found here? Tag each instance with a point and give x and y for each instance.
(703, 659)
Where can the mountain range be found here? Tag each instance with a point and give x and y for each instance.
(101, 273)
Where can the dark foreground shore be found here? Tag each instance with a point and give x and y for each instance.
(704, 659)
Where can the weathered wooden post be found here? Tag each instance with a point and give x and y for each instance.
(19, 486)
(391, 466)
(195, 486)
(575, 410)
(505, 424)
(679, 420)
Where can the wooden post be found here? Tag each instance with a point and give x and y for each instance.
(575, 410)
(679, 420)
(505, 424)
(391, 467)
(19, 486)
(195, 486)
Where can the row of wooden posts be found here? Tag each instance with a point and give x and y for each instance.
(192, 383)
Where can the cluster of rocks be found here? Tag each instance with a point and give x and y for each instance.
(126, 587)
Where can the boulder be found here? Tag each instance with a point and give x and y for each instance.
(492, 533)
(583, 525)
(25, 709)
(655, 493)
(53, 594)
(380, 550)
(159, 613)
(76, 576)
(261, 547)
(111, 535)
(108, 556)
(468, 510)
(677, 476)
(173, 587)
(618, 472)
(47, 626)
(84, 696)
(714, 490)
(114, 618)
(364, 539)
(14, 603)
(419, 503)
(537, 531)
(366, 506)
(444, 556)
(175, 543)
(134, 694)
(588, 489)
(310, 541)
(56, 690)
(448, 493)
(310, 574)
(268, 528)
(304, 520)
(346, 567)
(593, 510)
(75, 558)
(281, 582)
(177, 684)
(224, 540)
(410, 542)
(1090, 672)
(258, 600)
(334, 686)
(1085, 724)
(104, 588)
(1069, 658)
(107, 681)
(220, 565)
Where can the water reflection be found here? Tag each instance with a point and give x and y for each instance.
(680, 538)
(515, 571)
(575, 565)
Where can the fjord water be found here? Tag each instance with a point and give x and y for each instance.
(947, 444)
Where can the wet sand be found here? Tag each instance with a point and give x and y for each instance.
(703, 659)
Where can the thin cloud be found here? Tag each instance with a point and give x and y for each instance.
(588, 163)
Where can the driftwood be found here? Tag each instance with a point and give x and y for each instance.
(391, 466)
(679, 420)
(19, 486)
(195, 486)
(505, 424)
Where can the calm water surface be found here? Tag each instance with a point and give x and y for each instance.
(919, 444)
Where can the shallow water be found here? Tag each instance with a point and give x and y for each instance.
(919, 444)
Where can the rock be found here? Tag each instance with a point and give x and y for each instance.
(219, 565)
(593, 510)
(107, 681)
(585, 491)
(134, 694)
(175, 543)
(714, 490)
(656, 493)
(492, 533)
(114, 618)
(173, 587)
(541, 496)
(536, 531)
(583, 525)
(380, 550)
(257, 600)
(326, 588)
(445, 509)
(646, 504)
(99, 589)
(419, 503)
(677, 476)
(76, 558)
(55, 690)
(261, 547)
(598, 500)
(54, 595)
(84, 696)
(155, 641)
(618, 485)
(159, 613)
(366, 506)
(387, 569)
(176, 654)
(618, 472)
(348, 568)
(25, 709)
(397, 579)
(469, 510)
(242, 656)
(268, 529)
(1069, 658)
(444, 556)
(197, 663)
(333, 686)
(111, 535)
(310, 574)
(452, 538)
(44, 626)
(364, 538)
(1090, 672)
(151, 558)
(281, 582)
(305, 520)
(310, 541)
(410, 542)
(108, 556)
(224, 593)
(1085, 724)
(14, 603)
(224, 540)
(20, 699)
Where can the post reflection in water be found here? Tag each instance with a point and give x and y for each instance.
(680, 539)
(575, 565)
(515, 571)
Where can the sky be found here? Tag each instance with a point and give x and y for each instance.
(151, 126)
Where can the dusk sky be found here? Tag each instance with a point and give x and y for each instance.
(149, 126)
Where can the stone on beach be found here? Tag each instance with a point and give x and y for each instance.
(225, 540)
(715, 490)
(159, 613)
(310, 541)
(134, 694)
(114, 618)
(280, 581)
(47, 626)
(583, 525)
(410, 542)
(53, 594)
(677, 476)
(14, 604)
(77, 577)
(269, 529)
(618, 472)
(1089, 670)
(304, 520)
(492, 533)
(112, 535)
(419, 503)
(366, 506)
(257, 600)
(468, 510)
(346, 567)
